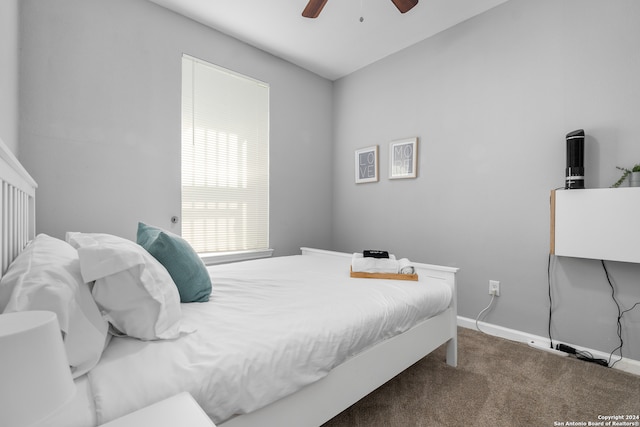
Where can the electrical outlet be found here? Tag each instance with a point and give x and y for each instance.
(494, 288)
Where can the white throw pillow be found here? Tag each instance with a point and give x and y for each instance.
(46, 276)
(133, 290)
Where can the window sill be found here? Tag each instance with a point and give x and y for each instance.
(227, 257)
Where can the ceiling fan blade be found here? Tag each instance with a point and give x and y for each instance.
(314, 7)
(405, 6)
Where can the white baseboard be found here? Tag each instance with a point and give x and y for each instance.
(542, 343)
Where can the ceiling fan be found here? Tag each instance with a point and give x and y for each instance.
(314, 7)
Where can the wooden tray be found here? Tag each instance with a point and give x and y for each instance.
(413, 277)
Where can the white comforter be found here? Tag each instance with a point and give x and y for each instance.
(270, 327)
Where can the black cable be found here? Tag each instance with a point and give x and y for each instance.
(588, 357)
(620, 332)
(585, 355)
(550, 300)
(619, 318)
(619, 323)
(634, 306)
(549, 283)
(581, 354)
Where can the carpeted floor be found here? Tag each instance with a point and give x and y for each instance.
(498, 383)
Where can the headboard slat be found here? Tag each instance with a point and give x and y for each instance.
(17, 207)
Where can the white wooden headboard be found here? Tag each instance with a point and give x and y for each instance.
(17, 207)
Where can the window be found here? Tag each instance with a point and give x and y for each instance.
(225, 159)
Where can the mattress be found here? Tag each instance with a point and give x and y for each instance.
(271, 327)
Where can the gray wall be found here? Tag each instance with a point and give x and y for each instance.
(100, 114)
(9, 73)
(491, 101)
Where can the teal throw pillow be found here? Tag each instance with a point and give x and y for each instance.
(183, 263)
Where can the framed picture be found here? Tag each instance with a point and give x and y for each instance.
(403, 156)
(367, 164)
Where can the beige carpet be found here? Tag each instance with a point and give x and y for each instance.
(497, 383)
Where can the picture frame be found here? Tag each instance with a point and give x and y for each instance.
(403, 158)
(366, 164)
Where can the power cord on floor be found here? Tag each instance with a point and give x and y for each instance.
(581, 354)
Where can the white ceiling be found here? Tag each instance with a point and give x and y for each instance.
(336, 43)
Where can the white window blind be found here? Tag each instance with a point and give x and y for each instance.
(225, 159)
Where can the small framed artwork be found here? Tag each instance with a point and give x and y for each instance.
(403, 156)
(367, 164)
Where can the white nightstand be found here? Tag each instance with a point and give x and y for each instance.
(177, 411)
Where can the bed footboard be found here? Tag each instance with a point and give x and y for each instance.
(358, 376)
(354, 379)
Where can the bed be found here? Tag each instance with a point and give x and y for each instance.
(284, 341)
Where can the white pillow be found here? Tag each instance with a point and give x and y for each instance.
(46, 276)
(133, 290)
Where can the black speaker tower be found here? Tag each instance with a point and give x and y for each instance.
(575, 160)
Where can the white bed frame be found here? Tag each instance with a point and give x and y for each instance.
(17, 207)
(314, 404)
(360, 375)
